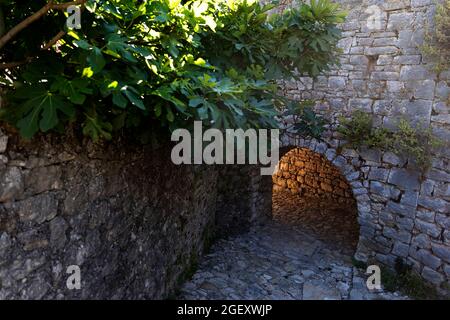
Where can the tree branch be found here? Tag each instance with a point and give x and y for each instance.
(64, 6)
(54, 40)
(25, 23)
(47, 46)
(36, 16)
(11, 65)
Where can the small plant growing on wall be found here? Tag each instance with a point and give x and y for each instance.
(417, 143)
(360, 131)
(437, 46)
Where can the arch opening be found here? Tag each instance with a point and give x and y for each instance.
(310, 192)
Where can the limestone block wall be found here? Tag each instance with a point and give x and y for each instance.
(244, 198)
(133, 222)
(311, 175)
(403, 214)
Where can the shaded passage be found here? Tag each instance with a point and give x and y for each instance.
(277, 261)
(305, 252)
(330, 222)
(309, 191)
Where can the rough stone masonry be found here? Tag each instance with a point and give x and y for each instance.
(402, 213)
(311, 175)
(135, 223)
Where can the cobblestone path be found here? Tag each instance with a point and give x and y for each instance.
(280, 260)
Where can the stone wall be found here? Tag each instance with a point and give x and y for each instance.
(311, 175)
(133, 222)
(403, 214)
(244, 198)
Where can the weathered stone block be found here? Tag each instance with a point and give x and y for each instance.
(395, 5)
(37, 209)
(361, 104)
(379, 174)
(438, 175)
(425, 215)
(400, 249)
(380, 189)
(11, 184)
(432, 276)
(441, 250)
(424, 89)
(442, 90)
(393, 159)
(401, 209)
(414, 73)
(427, 258)
(370, 154)
(443, 220)
(408, 59)
(374, 51)
(3, 142)
(441, 118)
(447, 270)
(427, 188)
(400, 21)
(385, 76)
(5, 243)
(33, 239)
(418, 111)
(43, 179)
(405, 179)
(420, 3)
(422, 241)
(428, 228)
(337, 83)
(58, 227)
(400, 235)
(435, 204)
(405, 223)
(409, 198)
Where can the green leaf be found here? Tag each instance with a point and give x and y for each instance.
(50, 107)
(43, 113)
(96, 60)
(195, 102)
(132, 95)
(96, 128)
(117, 46)
(74, 90)
(119, 100)
(170, 116)
(167, 94)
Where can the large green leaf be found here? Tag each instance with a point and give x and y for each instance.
(96, 60)
(42, 112)
(165, 63)
(133, 96)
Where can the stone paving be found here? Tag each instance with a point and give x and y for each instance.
(333, 222)
(280, 261)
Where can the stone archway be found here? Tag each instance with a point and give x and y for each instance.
(348, 163)
(310, 192)
(273, 260)
(245, 188)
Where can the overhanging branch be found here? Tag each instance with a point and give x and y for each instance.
(36, 16)
(47, 46)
